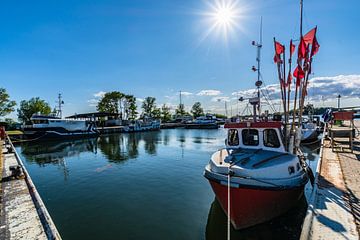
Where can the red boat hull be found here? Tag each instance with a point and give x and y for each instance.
(249, 207)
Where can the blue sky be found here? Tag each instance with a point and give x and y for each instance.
(156, 48)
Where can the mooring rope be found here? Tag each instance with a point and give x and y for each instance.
(309, 143)
(228, 206)
(18, 140)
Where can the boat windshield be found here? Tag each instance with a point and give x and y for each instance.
(271, 138)
(233, 137)
(250, 137)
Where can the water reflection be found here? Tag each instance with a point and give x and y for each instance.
(287, 226)
(53, 152)
(116, 147)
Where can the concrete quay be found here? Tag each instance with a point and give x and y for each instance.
(334, 207)
(23, 214)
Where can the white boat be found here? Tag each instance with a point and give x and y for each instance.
(203, 122)
(309, 130)
(146, 124)
(46, 127)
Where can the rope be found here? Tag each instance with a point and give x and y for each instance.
(18, 140)
(228, 206)
(309, 143)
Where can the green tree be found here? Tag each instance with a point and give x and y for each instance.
(181, 110)
(6, 105)
(165, 113)
(218, 115)
(156, 113)
(197, 110)
(148, 106)
(110, 102)
(31, 107)
(131, 106)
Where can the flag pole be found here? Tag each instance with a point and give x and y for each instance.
(279, 74)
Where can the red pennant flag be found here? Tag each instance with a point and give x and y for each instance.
(292, 48)
(279, 49)
(299, 73)
(315, 47)
(302, 49)
(277, 59)
(309, 37)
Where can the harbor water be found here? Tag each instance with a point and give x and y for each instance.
(146, 185)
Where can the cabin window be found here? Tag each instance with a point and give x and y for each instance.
(271, 138)
(233, 137)
(250, 137)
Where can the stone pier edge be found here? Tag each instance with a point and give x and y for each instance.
(306, 227)
(45, 218)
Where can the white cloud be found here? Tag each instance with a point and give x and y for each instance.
(99, 94)
(92, 102)
(220, 99)
(186, 93)
(140, 99)
(319, 88)
(209, 93)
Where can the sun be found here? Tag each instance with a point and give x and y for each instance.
(223, 17)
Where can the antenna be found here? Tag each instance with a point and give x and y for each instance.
(180, 98)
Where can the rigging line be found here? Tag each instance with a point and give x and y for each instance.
(267, 100)
(267, 91)
(267, 97)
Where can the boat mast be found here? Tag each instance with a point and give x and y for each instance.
(180, 98)
(60, 103)
(258, 60)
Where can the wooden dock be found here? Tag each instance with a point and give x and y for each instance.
(334, 207)
(23, 213)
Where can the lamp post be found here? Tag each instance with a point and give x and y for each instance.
(338, 97)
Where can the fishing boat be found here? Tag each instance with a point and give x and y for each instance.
(261, 172)
(141, 125)
(203, 122)
(309, 132)
(45, 127)
(263, 179)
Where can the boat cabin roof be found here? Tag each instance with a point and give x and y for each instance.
(33, 117)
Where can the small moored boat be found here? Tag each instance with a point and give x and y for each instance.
(265, 179)
(203, 122)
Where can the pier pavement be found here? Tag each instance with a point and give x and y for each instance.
(334, 207)
(23, 214)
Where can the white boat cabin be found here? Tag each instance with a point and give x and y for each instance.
(39, 121)
(255, 135)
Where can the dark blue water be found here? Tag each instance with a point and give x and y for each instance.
(139, 186)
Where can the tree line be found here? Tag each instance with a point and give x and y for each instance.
(112, 102)
(125, 106)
